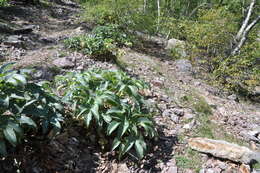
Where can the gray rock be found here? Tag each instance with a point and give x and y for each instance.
(167, 112)
(48, 40)
(5, 28)
(119, 168)
(202, 171)
(43, 73)
(178, 112)
(183, 65)
(63, 63)
(233, 97)
(257, 89)
(252, 135)
(172, 169)
(157, 83)
(14, 40)
(189, 125)
(24, 30)
(178, 46)
(188, 116)
(175, 118)
(222, 165)
(210, 171)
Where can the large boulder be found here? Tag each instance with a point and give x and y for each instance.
(224, 150)
(176, 46)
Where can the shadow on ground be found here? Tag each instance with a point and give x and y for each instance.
(69, 152)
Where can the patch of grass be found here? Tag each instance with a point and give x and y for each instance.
(256, 166)
(206, 128)
(198, 103)
(190, 160)
(221, 133)
(201, 106)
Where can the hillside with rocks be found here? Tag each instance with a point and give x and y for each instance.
(201, 127)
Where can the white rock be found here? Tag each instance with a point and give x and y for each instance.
(178, 46)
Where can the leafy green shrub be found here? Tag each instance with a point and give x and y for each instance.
(102, 42)
(213, 32)
(3, 2)
(24, 106)
(241, 73)
(110, 12)
(110, 102)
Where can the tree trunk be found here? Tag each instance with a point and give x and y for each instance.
(244, 29)
(245, 22)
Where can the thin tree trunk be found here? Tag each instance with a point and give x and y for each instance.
(145, 4)
(159, 14)
(245, 23)
(244, 35)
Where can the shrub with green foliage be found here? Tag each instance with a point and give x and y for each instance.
(3, 2)
(25, 108)
(241, 73)
(102, 42)
(111, 103)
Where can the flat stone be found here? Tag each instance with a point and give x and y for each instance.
(63, 63)
(14, 40)
(224, 150)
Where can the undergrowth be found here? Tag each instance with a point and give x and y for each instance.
(107, 103)
(103, 42)
(110, 102)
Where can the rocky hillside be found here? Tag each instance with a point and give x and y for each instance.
(201, 128)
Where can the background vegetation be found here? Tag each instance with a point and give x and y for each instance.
(208, 26)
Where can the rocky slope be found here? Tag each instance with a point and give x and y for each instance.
(186, 105)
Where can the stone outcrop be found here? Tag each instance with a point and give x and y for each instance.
(178, 46)
(225, 150)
